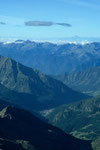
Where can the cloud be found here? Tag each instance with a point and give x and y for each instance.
(45, 23)
(2, 23)
(64, 24)
(38, 23)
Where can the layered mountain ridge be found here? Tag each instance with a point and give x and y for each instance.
(87, 81)
(51, 58)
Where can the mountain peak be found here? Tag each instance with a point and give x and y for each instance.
(42, 91)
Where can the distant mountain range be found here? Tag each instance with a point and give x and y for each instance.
(32, 89)
(87, 81)
(20, 130)
(81, 119)
(51, 58)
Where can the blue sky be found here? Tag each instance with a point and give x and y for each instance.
(49, 19)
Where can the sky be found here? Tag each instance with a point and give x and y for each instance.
(49, 19)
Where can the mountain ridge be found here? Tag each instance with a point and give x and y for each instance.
(21, 127)
(37, 91)
(87, 81)
(59, 58)
(80, 119)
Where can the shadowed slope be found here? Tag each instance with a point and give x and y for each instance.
(22, 127)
